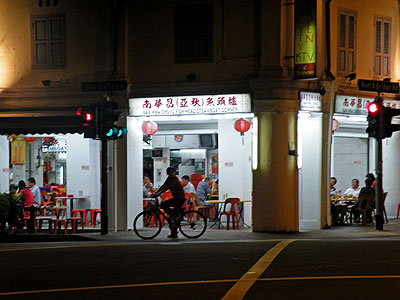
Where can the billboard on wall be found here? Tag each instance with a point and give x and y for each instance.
(305, 39)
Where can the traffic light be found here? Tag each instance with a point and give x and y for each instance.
(388, 127)
(109, 129)
(88, 120)
(373, 119)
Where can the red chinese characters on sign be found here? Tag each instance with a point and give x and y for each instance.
(185, 105)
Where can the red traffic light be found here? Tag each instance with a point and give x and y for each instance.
(85, 115)
(372, 107)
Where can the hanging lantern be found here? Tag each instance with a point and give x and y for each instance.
(242, 126)
(30, 139)
(149, 127)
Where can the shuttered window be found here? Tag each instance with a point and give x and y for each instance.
(48, 42)
(382, 47)
(193, 33)
(347, 21)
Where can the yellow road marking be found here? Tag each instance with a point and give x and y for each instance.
(196, 282)
(239, 290)
(116, 287)
(63, 247)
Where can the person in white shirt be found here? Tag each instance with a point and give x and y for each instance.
(354, 190)
(188, 187)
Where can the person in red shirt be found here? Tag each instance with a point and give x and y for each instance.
(173, 184)
(26, 195)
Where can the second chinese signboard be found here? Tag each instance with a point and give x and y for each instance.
(350, 105)
(189, 105)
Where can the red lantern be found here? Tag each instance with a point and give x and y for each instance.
(149, 127)
(242, 125)
(30, 139)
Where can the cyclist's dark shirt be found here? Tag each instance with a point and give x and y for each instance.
(175, 187)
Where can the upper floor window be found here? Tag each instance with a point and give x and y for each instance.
(48, 42)
(347, 42)
(193, 33)
(382, 47)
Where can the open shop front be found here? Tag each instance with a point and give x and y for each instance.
(196, 135)
(61, 164)
(353, 152)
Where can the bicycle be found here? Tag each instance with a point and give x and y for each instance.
(148, 223)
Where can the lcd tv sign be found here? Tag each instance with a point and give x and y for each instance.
(305, 39)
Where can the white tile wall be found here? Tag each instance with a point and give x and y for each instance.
(350, 160)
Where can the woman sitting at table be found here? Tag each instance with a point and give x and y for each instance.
(25, 194)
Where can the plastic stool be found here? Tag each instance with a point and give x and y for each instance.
(93, 215)
(82, 212)
(74, 223)
(58, 222)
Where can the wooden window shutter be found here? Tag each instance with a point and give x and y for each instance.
(347, 41)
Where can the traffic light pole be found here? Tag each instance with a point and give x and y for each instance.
(104, 186)
(378, 182)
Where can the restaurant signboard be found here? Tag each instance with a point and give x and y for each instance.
(189, 105)
(351, 105)
(310, 101)
(305, 39)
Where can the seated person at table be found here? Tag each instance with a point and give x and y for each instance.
(188, 187)
(367, 190)
(25, 194)
(147, 183)
(354, 190)
(203, 189)
(214, 188)
(333, 191)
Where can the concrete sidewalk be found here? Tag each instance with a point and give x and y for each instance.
(392, 230)
(355, 231)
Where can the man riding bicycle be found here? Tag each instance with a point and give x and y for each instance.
(172, 206)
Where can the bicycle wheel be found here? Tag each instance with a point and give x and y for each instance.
(147, 225)
(193, 224)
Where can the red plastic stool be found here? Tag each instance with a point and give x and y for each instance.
(93, 215)
(58, 222)
(82, 212)
(74, 223)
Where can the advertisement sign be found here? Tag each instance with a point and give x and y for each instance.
(305, 39)
(18, 149)
(358, 105)
(310, 101)
(58, 145)
(190, 105)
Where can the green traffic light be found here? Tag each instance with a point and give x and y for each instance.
(110, 132)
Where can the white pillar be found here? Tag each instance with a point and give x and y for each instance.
(4, 164)
(135, 169)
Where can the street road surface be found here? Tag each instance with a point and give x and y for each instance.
(185, 269)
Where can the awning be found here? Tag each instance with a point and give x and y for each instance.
(40, 125)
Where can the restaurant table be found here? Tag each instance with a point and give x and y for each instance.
(58, 209)
(71, 199)
(218, 202)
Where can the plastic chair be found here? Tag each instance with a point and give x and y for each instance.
(58, 223)
(234, 212)
(195, 179)
(196, 205)
(363, 205)
(45, 202)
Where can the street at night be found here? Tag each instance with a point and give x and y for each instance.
(239, 265)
